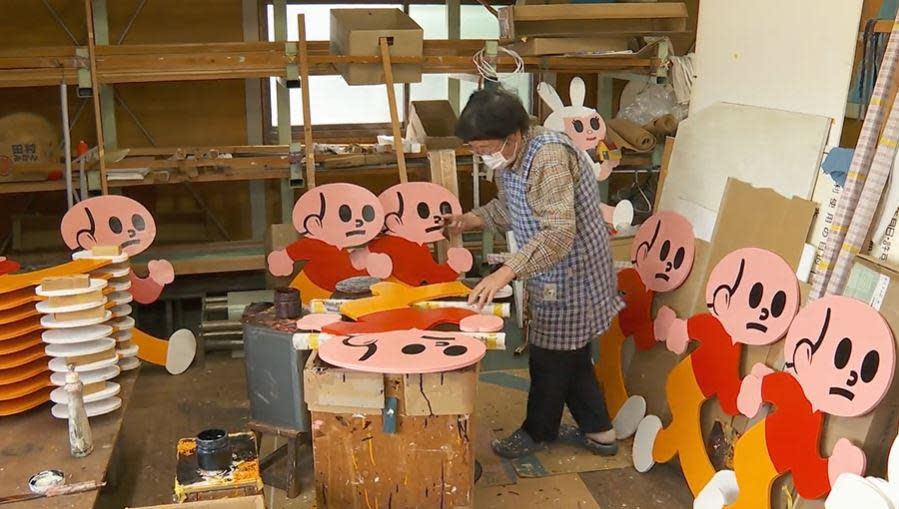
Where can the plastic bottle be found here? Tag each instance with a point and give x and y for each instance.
(80, 440)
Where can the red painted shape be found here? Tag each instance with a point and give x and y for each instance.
(145, 290)
(413, 263)
(636, 318)
(326, 265)
(716, 362)
(399, 319)
(793, 433)
(7, 266)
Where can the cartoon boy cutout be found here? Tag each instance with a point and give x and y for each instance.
(333, 218)
(752, 295)
(840, 359)
(119, 221)
(7, 266)
(662, 256)
(413, 220)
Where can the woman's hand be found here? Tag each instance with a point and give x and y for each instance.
(458, 223)
(485, 291)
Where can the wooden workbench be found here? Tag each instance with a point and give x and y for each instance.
(35, 441)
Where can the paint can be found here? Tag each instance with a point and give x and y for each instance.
(213, 450)
(287, 303)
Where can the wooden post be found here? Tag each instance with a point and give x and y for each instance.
(443, 172)
(95, 93)
(394, 116)
(307, 114)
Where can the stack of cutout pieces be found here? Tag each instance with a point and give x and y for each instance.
(118, 276)
(25, 377)
(77, 334)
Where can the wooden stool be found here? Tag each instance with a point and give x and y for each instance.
(291, 450)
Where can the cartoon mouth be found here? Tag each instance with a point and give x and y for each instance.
(434, 228)
(592, 138)
(355, 232)
(839, 391)
(132, 242)
(664, 276)
(756, 326)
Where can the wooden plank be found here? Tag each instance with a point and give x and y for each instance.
(307, 108)
(95, 89)
(398, 147)
(444, 172)
(36, 430)
(663, 174)
(599, 11)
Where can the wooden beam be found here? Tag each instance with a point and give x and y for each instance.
(444, 173)
(398, 147)
(600, 11)
(307, 108)
(95, 93)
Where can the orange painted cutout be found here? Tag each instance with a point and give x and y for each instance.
(414, 265)
(145, 290)
(663, 251)
(25, 387)
(608, 370)
(388, 296)
(109, 220)
(21, 358)
(7, 266)
(14, 330)
(683, 436)
(18, 313)
(20, 343)
(11, 376)
(309, 290)
(14, 282)
(636, 318)
(17, 406)
(755, 472)
(152, 350)
(17, 298)
(398, 319)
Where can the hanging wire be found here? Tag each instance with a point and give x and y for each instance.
(487, 69)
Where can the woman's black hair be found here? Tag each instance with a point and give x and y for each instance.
(492, 114)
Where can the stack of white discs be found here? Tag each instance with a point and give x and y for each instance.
(118, 275)
(77, 335)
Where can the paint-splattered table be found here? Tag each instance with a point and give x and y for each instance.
(35, 441)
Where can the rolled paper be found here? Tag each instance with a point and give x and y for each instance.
(662, 126)
(625, 133)
(496, 309)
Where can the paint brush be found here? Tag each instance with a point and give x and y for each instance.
(69, 489)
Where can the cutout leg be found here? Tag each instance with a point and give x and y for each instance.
(308, 289)
(608, 370)
(755, 472)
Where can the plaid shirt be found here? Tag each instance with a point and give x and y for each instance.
(551, 201)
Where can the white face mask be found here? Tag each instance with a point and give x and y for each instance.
(496, 160)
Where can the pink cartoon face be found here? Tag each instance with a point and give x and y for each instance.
(415, 210)
(586, 132)
(843, 353)
(663, 251)
(109, 221)
(403, 352)
(342, 215)
(754, 294)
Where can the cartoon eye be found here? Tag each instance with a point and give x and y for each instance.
(594, 123)
(578, 126)
(778, 304)
(869, 366)
(755, 295)
(446, 208)
(679, 257)
(368, 213)
(423, 210)
(413, 349)
(138, 221)
(115, 224)
(455, 350)
(345, 213)
(665, 250)
(843, 353)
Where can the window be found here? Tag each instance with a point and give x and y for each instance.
(335, 102)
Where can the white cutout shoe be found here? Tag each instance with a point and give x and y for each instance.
(854, 492)
(644, 441)
(629, 417)
(720, 492)
(181, 352)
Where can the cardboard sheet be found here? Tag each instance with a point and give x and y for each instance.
(793, 56)
(557, 491)
(766, 148)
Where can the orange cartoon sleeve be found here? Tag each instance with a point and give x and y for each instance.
(306, 249)
(413, 264)
(145, 290)
(716, 362)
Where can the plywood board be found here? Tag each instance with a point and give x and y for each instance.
(557, 491)
(763, 147)
(793, 56)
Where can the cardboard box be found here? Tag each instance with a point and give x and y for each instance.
(540, 46)
(433, 124)
(621, 19)
(356, 32)
(257, 502)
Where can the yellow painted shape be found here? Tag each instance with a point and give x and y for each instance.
(22, 358)
(308, 289)
(18, 313)
(13, 282)
(25, 387)
(17, 298)
(388, 296)
(20, 328)
(150, 349)
(608, 370)
(683, 436)
(23, 404)
(755, 471)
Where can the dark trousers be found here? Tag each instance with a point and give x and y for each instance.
(560, 378)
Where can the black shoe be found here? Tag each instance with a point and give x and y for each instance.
(516, 445)
(572, 435)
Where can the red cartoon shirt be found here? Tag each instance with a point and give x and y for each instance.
(636, 318)
(716, 362)
(399, 319)
(413, 264)
(326, 265)
(793, 433)
(7, 266)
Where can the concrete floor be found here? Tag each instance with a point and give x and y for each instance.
(165, 408)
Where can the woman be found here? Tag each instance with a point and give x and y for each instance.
(550, 200)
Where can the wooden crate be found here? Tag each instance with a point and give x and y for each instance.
(428, 459)
(617, 19)
(355, 32)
